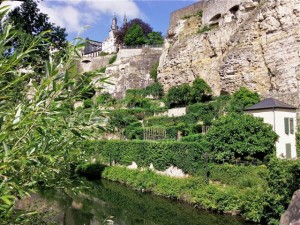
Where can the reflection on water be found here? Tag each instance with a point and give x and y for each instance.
(103, 202)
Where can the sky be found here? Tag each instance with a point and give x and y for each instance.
(92, 18)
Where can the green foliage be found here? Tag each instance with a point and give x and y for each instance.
(185, 94)
(186, 156)
(154, 38)
(102, 69)
(242, 99)
(238, 136)
(112, 60)
(155, 89)
(134, 131)
(283, 181)
(193, 138)
(153, 71)
(88, 103)
(298, 141)
(198, 14)
(146, 29)
(247, 201)
(119, 119)
(37, 135)
(200, 91)
(179, 95)
(206, 112)
(105, 98)
(135, 36)
(241, 176)
(205, 28)
(30, 23)
(83, 86)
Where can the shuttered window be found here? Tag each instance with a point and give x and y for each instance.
(286, 125)
(288, 150)
(291, 125)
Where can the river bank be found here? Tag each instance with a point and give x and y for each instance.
(240, 194)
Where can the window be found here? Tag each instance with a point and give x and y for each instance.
(289, 125)
(288, 151)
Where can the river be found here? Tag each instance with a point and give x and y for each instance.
(103, 202)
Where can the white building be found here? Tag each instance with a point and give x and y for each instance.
(109, 44)
(282, 117)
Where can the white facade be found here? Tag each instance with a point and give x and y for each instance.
(284, 123)
(109, 44)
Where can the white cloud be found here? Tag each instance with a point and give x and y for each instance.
(12, 4)
(75, 14)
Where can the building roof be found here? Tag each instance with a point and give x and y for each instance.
(270, 103)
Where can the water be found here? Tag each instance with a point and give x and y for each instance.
(104, 202)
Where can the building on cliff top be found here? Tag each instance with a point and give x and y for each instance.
(94, 48)
(282, 117)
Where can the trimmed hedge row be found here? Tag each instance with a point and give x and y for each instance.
(186, 156)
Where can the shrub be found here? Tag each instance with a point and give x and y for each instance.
(88, 103)
(284, 180)
(186, 156)
(112, 59)
(242, 99)
(238, 136)
(153, 71)
(134, 131)
(193, 138)
(200, 92)
(179, 95)
(105, 98)
(204, 29)
(155, 89)
(185, 94)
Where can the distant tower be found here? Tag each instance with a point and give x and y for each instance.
(114, 25)
(125, 20)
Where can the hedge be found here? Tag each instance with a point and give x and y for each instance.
(186, 156)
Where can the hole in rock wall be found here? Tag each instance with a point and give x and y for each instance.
(86, 61)
(233, 10)
(215, 18)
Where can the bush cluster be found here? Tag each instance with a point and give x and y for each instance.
(187, 156)
(249, 202)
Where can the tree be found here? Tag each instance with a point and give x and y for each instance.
(37, 134)
(135, 36)
(30, 22)
(146, 29)
(239, 136)
(179, 95)
(242, 99)
(120, 119)
(200, 92)
(155, 38)
(155, 89)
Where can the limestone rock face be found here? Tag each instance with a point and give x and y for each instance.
(253, 44)
(292, 215)
(131, 70)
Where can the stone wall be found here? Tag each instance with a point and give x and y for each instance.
(292, 215)
(93, 63)
(131, 70)
(179, 14)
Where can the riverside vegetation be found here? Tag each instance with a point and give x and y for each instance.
(45, 140)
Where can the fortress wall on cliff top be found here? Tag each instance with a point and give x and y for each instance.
(210, 9)
(180, 13)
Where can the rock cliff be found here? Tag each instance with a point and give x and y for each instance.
(131, 70)
(248, 43)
